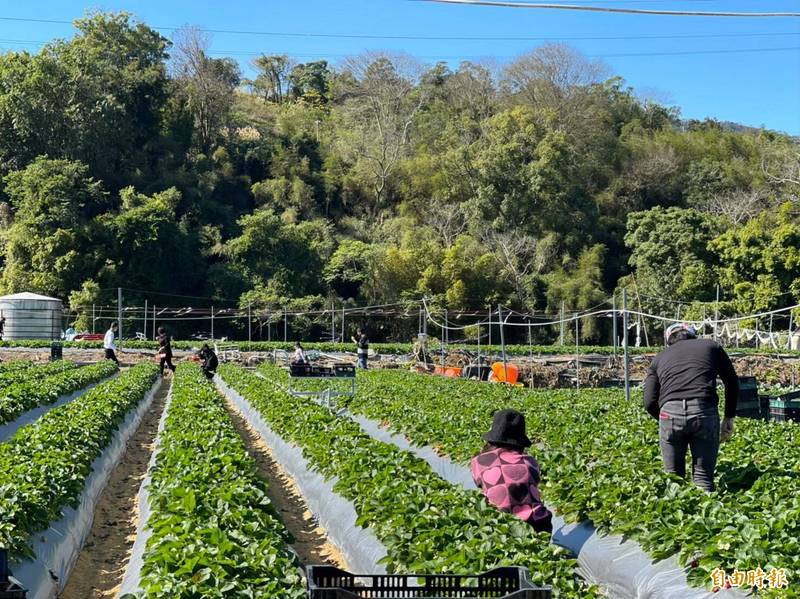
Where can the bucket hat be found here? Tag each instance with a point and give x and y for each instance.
(508, 428)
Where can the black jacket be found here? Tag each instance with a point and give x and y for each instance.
(689, 369)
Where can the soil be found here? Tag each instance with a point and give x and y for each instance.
(310, 540)
(104, 558)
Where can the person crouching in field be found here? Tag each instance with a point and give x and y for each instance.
(507, 476)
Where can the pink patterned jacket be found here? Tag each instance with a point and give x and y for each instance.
(509, 479)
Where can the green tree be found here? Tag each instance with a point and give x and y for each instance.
(52, 246)
(761, 260)
(670, 254)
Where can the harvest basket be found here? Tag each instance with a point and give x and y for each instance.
(786, 407)
(327, 582)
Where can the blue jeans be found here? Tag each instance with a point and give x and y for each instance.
(690, 424)
(362, 361)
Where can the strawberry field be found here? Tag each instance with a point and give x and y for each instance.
(208, 524)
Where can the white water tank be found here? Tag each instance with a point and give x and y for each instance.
(31, 316)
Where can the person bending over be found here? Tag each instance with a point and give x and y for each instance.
(507, 476)
(210, 361)
(680, 391)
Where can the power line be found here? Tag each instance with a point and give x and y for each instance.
(608, 9)
(616, 55)
(301, 34)
(479, 56)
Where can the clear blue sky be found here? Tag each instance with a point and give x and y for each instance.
(753, 88)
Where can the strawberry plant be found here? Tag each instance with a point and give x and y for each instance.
(426, 524)
(44, 465)
(45, 384)
(214, 530)
(600, 461)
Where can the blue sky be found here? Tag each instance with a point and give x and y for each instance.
(753, 88)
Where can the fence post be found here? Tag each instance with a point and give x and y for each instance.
(119, 316)
(577, 355)
(144, 326)
(212, 323)
(285, 324)
(625, 344)
(502, 342)
(154, 322)
(563, 307)
(249, 327)
(94, 320)
(614, 318)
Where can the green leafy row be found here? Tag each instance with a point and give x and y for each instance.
(600, 461)
(15, 365)
(34, 391)
(426, 524)
(44, 465)
(385, 348)
(32, 372)
(214, 530)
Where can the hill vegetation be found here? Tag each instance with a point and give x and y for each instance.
(129, 160)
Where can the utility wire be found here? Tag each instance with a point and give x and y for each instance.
(302, 34)
(608, 9)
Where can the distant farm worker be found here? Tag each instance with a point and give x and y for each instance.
(681, 392)
(210, 361)
(165, 350)
(299, 356)
(109, 344)
(2, 326)
(507, 476)
(362, 344)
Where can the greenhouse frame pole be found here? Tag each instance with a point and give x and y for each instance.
(154, 322)
(249, 327)
(119, 315)
(530, 354)
(144, 325)
(625, 343)
(614, 319)
(791, 322)
(502, 342)
(333, 322)
(93, 320)
(563, 307)
(577, 355)
(212, 323)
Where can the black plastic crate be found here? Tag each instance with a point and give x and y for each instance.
(785, 407)
(320, 371)
(9, 587)
(748, 389)
(344, 370)
(327, 582)
(299, 369)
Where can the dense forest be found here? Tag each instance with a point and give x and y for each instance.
(131, 160)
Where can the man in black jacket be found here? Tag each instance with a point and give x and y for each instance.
(680, 391)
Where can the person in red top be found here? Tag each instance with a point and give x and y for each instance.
(507, 476)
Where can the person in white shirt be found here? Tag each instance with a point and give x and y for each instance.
(299, 355)
(108, 343)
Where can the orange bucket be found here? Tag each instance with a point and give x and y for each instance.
(500, 376)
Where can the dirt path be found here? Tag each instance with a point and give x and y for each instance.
(311, 541)
(102, 562)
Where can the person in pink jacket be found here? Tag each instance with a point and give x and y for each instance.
(507, 476)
